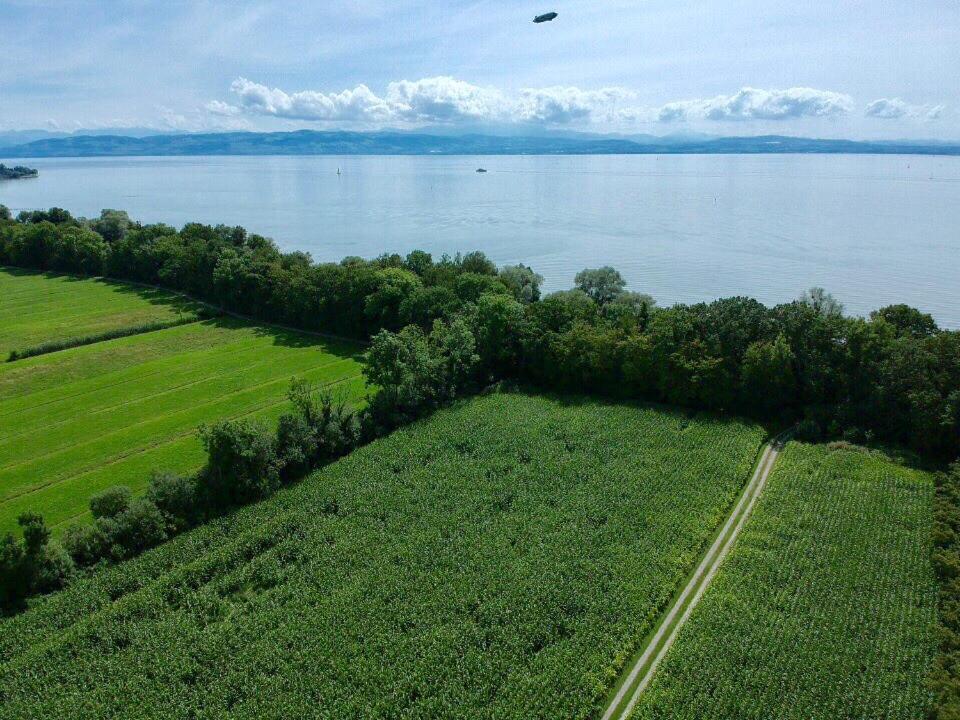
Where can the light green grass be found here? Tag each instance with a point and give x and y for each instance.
(37, 308)
(825, 607)
(500, 559)
(82, 419)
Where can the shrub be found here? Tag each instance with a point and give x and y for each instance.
(176, 498)
(140, 527)
(86, 544)
(31, 565)
(296, 446)
(54, 569)
(12, 571)
(241, 463)
(110, 502)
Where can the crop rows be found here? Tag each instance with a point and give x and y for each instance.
(37, 309)
(500, 559)
(125, 407)
(825, 609)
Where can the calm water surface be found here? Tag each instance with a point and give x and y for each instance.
(871, 229)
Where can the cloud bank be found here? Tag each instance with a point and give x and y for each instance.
(756, 104)
(895, 108)
(445, 99)
(435, 99)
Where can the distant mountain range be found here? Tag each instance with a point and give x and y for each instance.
(310, 142)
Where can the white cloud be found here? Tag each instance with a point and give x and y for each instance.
(756, 104)
(433, 99)
(563, 105)
(442, 99)
(895, 108)
(222, 109)
(445, 99)
(358, 104)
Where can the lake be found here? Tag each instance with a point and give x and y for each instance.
(873, 230)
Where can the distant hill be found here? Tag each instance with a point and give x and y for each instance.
(310, 142)
(9, 138)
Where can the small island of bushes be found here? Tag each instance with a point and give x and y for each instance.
(16, 172)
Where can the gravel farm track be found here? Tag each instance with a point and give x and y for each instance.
(638, 676)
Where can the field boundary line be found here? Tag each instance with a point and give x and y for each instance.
(641, 673)
(177, 293)
(166, 391)
(61, 523)
(172, 413)
(155, 444)
(156, 369)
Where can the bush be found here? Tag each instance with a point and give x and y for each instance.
(241, 463)
(140, 527)
(31, 565)
(54, 569)
(86, 544)
(176, 498)
(110, 502)
(13, 581)
(296, 446)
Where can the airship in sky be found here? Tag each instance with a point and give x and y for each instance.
(546, 17)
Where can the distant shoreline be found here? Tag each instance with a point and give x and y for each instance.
(313, 143)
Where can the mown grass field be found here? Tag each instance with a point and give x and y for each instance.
(825, 608)
(76, 421)
(37, 308)
(500, 559)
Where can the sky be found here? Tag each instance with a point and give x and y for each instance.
(863, 69)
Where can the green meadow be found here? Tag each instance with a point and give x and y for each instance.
(36, 308)
(76, 421)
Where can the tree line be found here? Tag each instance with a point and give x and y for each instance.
(443, 328)
(894, 376)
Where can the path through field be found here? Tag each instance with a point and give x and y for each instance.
(642, 671)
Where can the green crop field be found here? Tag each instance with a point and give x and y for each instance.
(37, 308)
(502, 558)
(825, 609)
(76, 421)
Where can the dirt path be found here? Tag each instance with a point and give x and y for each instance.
(643, 669)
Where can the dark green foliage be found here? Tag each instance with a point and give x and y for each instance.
(908, 321)
(522, 281)
(176, 497)
(601, 284)
(319, 430)
(895, 376)
(137, 528)
(417, 372)
(86, 544)
(31, 565)
(110, 502)
(241, 463)
(945, 675)
(426, 304)
(126, 528)
(470, 286)
(477, 262)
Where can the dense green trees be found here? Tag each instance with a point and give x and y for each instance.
(443, 328)
(894, 376)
